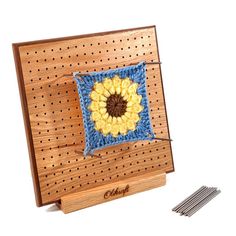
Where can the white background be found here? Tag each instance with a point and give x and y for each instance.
(197, 47)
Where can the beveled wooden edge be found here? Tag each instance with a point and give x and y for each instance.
(80, 36)
(168, 130)
(108, 192)
(24, 105)
(28, 131)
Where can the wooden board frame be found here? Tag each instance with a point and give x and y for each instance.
(53, 118)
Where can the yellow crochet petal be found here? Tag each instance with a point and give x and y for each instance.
(130, 104)
(119, 120)
(130, 125)
(132, 88)
(124, 118)
(103, 124)
(116, 81)
(94, 106)
(100, 124)
(118, 90)
(103, 110)
(95, 116)
(105, 116)
(98, 87)
(123, 128)
(135, 98)
(126, 97)
(135, 117)
(107, 83)
(129, 98)
(125, 83)
(112, 90)
(114, 130)
(102, 98)
(109, 119)
(129, 109)
(128, 114)
(117, 84)
(106, 93)
(114, 120)
(106, 129)
(124, 91)
(102, 104)
(136, 108)
(94, 96)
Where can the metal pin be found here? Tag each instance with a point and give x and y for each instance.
(131, 64)
(154, 62)
(198, 200)
(92, 155)
(158, 138)
(163, 139)
(194, 200)
(76, 75)
(147, 63)
(81, 74)
(203, 203)
(188, 199)
(184, 206)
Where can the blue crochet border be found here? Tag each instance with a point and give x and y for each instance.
(94, 139)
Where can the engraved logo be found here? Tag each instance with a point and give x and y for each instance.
(116, 191)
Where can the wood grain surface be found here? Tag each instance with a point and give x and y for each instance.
(108, 192)
(53, 117)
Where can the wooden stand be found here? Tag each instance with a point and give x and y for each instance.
(76, 201)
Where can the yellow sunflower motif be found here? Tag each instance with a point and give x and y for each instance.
(115, 106)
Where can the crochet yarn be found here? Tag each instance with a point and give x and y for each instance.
(115, 107)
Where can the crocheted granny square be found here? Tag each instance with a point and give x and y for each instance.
(115, 107)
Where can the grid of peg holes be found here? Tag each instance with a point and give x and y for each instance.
(56, 118)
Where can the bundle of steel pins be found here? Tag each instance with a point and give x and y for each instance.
(196, 201)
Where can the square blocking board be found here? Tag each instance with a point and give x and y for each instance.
(53, 117)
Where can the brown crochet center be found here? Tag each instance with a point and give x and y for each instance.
(116, 105)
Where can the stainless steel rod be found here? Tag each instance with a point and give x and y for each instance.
(203, 203)
(198, 200)
(131, 64)
(186, 205)
(163, 139)
(188, 198)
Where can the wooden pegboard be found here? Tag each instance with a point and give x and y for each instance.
(53, 118)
